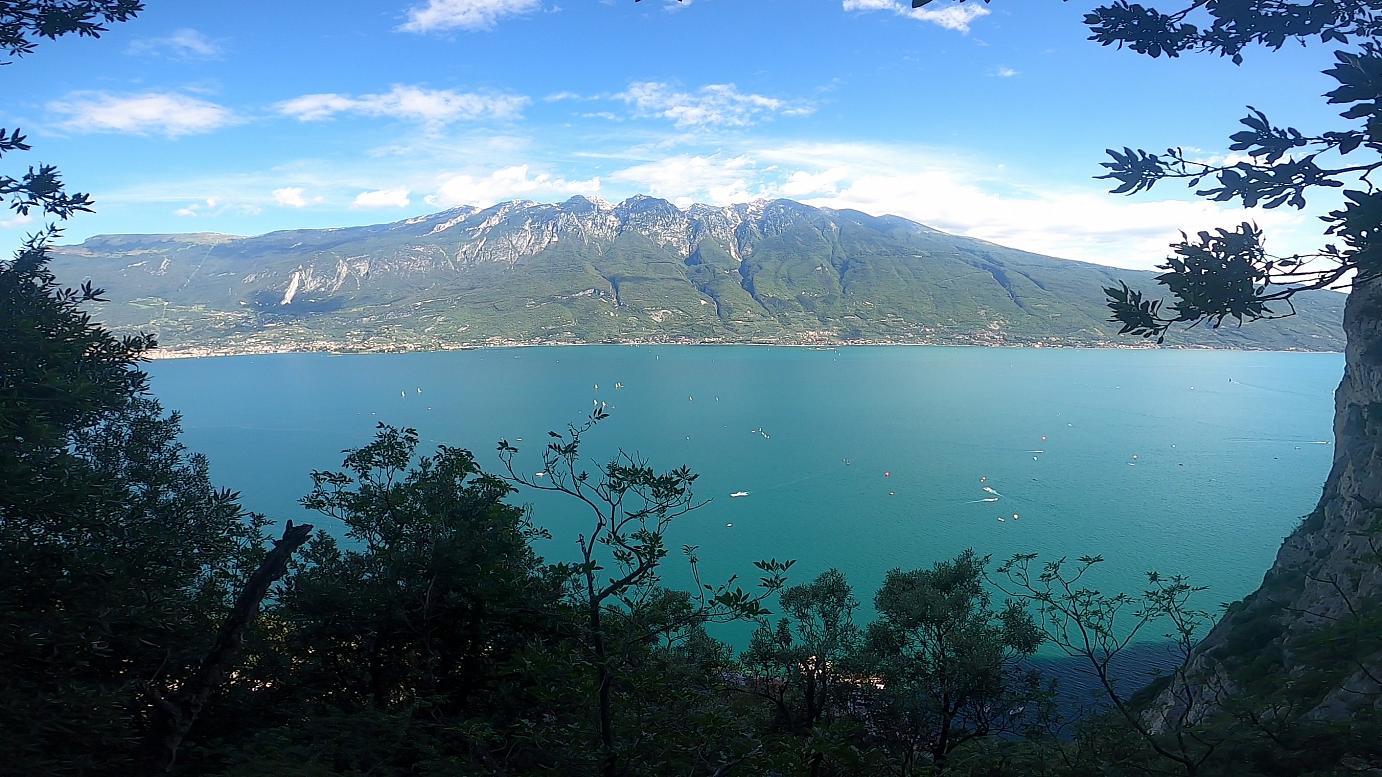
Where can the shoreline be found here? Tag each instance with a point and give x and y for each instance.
(160, 354)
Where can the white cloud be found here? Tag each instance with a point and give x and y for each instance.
(967, 197)
(16, 220)
(294, 197)
(1004, 72)
(217, 206)
(956, 16)
(801, 183)
(169, 114)
(711, 105)
(505, 184)
(688, 178)
(382, 198)
(433, 107)
(445, 15)
(184, 44)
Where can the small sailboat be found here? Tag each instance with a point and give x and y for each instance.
(1001, 519)
(618, 385)
(729, 526)
(738, 494)
(403, 394)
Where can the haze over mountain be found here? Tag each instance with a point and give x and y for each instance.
(643, 270)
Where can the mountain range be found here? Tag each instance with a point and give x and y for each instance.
(643, 270)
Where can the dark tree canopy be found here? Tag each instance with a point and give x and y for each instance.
(24, 22)
(949, 662)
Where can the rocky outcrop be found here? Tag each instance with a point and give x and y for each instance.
(1310, 626)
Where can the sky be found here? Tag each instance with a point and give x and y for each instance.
(982, 120)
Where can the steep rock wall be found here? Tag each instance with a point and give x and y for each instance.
(1310, 623)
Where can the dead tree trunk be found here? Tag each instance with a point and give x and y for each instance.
(173, 716)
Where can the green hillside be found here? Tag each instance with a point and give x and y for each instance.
(641, 271)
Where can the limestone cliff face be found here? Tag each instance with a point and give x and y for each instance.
(1327, 574)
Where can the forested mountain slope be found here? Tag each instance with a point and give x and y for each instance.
(643, 270)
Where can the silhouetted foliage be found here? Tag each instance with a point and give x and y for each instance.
(1097, 628)
(127, 581)
(630, 506)
(22, 22)
(1226, 274)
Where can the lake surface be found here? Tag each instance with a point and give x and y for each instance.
(865, 458)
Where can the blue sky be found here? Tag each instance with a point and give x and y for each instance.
(984, 121)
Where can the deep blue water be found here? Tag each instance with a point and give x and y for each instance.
(1194, 462)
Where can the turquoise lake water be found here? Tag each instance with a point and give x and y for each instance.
(1195, 462)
